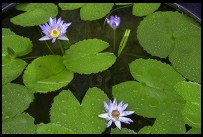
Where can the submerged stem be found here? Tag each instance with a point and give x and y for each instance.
(59, 43)
(114, 40)
(46, 43)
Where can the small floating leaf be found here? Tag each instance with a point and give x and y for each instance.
(80, 118)
(191, 92)
(46, 74)
(20, 124)
(71, 6)
(11, 68)
(123, 131)
(83, 57)
(20, 45)
(143, 9)
(15, 99)
(94, 11)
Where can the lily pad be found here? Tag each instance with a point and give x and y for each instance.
(191, 92)
(6, 32)
(143, 9)
(15, 99)
(122, 131)
(71, 6)
(20, 45)
(46, 73)
(145, 130)
(154, 92)
(11, 68)
(83, 57)
(52, 128)
(80, 118)
(94, 11)
(194, 131)
(123, 3)
(20, 124)
(36, 14)
(172, 34)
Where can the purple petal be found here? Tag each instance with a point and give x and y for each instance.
(45, 38)
(125, 120)
(118, 124)
(106, 107)
(63, 38)
(126, 113)
(109, 123)
(105, 115)
(59, 21)
(124, 106)
(114, 104)
(53, 40)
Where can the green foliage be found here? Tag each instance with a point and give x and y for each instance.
(94, 11)
(145, 130)
(80, 118)
(47, 73)
(15, 99)
(122, 131)
(143, 9)
(11, 68)
(191, 92)
(6, 32)
(154, 92)
(123, 41)
(20, 45)
(20, 124)
(36, 14)
(172, 34)
(194, 131)
(83, 57)
(123, 3)
(70, 6)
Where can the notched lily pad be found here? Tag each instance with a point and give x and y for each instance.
(11, 68)
(15, 99)
(94, 11)
(71, 6)
(143, 9)
(46, 74)
(83, 57)
(80, 118)
(191, 92)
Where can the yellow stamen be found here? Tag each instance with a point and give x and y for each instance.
(55, 33)
(115, 113)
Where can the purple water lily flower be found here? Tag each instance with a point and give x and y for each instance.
(54, 30)
(114, 22)
(115, 113)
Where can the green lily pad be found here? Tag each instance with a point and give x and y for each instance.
(20, 124)
(52, 128)
(94, 11)
(80, 118)
(122, 131)
(191, 92)
(123, 3)
(15, 99)
(83, 57)
(20, 45)
(169, 123)
(154, 92)
(71, 6)
(6, 32)
(143, 9)
(172, 34)
(11, 68)
(145, 130)
(46, 73)
(36, 14)
(194, 131)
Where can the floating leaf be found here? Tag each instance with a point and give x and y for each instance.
(94, 11)
(11, 68)
(122, 131)
(11, 53)
(194, 131)
(15, 99)
(154, 92)
(46, 74)
(6, 32)
(37, 13)
(80, 118)
(123, 3)
(20, 45)
(20, 124)
(172, 34)
(143, 9)
(83, 57)
(70, 6)
(169, 123)
(145, 130)
(191, 92)
(123, 41)
(52, 128)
